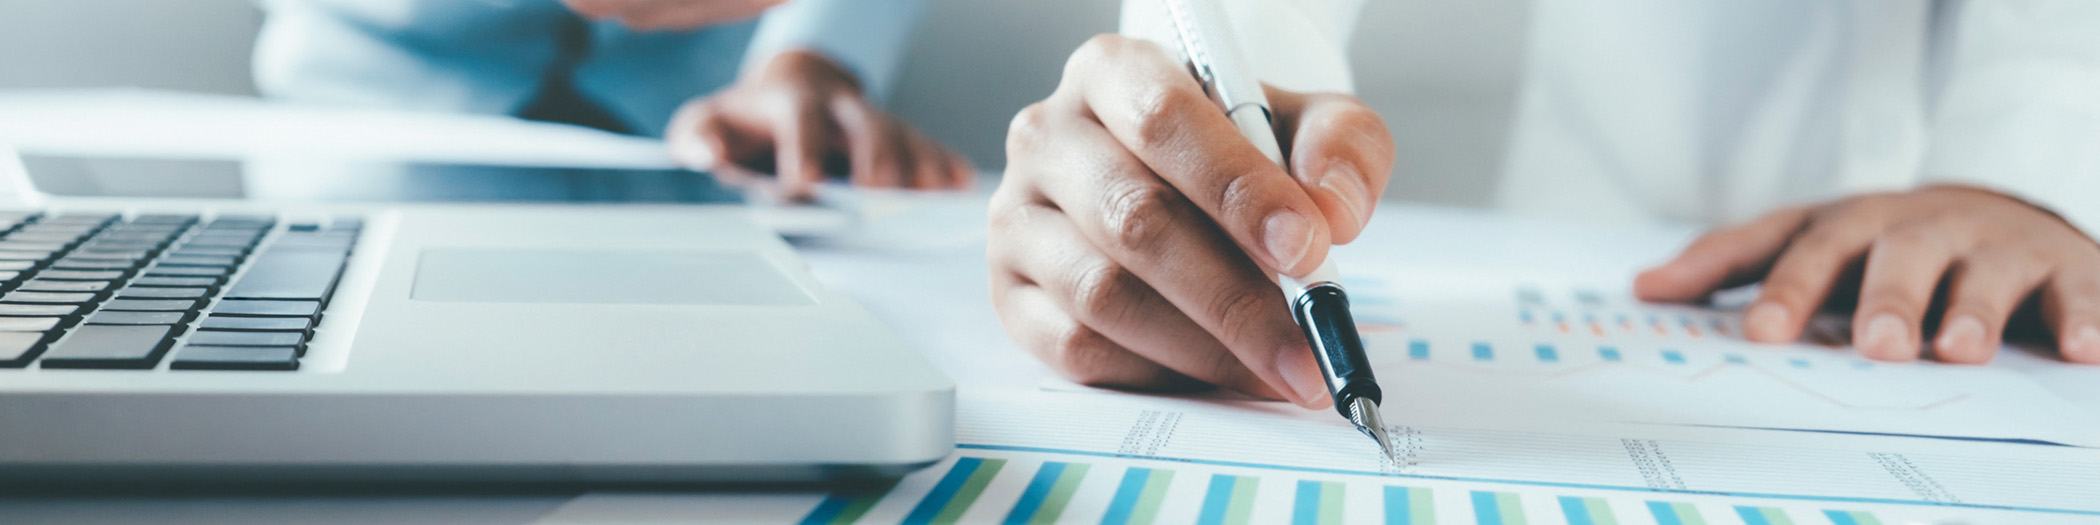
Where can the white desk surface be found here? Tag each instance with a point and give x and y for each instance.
(935, 294)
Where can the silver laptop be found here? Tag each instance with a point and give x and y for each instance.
(163, 340)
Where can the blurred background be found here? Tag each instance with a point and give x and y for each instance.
(1444, 73)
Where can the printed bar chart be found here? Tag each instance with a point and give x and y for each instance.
(845, 506)
(1586, 511)
(1851, 517)
(1675, 513)
(1317, 503)
(1497, 508)
(1409, 506)
(1137, 497)
(1762, 515)
(956, 491)
(1229, 501)
(1047, 493)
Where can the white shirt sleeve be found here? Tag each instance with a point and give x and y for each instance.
(867, 37)
(1298, 45)
(2020, 111)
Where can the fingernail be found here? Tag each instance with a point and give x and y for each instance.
(2084, 346)
(1766, 322)
(1962, 338)
(1303, 376)
(1288, 236)
(1885, 337)
(1348, 187)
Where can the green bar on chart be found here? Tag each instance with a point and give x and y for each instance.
(1229, 500)
(846, 506)
(1318, 503)
(956, 490)
(1409, 506)
(1047, 493)
(1587, 511)
(1763, 516)
(1851, 517)
(1675, 513)
(1497, 508)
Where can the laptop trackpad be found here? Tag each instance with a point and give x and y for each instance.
(603, 277)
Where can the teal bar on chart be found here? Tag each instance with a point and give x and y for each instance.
(1608, 353)
(1673, 357)
(1418, 350)
(1547, 354)
(1483, 352)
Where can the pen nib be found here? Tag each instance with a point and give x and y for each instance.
(1364, 413)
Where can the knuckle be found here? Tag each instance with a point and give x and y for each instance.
(1102, 292)
(1238, 309)
(1096, 51)
(1138, 215)
(1027, 130)
(1082, 354)
(1159, 113)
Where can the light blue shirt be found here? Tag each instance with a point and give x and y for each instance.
(537, 59)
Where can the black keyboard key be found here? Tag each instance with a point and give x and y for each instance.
(206, 357)
(196, 260)
(40, 285)
(152, 305)
(266, 308)
(17, 349)
(80, 275)
(162, 293)
(164, 218)
(20, 255)
(296, 274)
(37, 324)
(268, 324)
(49, 297)
(82, 217)
(207, 251)
(92, 264)
(16, 266)
(108, 255)
(195, 282)
(104, 346)
(12, 245)
(226, 338)
(38, 310)
(138, 318)
(186, 271)
(304, 227)
(63, 238)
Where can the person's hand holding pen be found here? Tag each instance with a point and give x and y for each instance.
(1136, 233)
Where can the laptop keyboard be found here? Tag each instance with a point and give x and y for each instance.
(107, 291)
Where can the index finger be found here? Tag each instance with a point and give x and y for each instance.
(1151, 104)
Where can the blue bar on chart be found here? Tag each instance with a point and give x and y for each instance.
(1736, 359)
(1798, 362)
(1608, 353)
(1673, 357)
(1418, 350)
(1547, 354)
(1497, 508)
(1045, 498)
(1763, 516)
(956, 490)
(1138, 496)
(1587, 511)
(1409, 506)
(846, 506)
(1675, 513)
(1483, 352)
(1525, 316)
(1317, 503)
(1851, 517)
(1229, 501)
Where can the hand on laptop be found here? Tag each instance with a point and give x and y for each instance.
(1971, 256)
(796, 115)
(670, 15)
(1136, 234)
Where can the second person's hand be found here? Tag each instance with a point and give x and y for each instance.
(1136, 234)
(799, 115)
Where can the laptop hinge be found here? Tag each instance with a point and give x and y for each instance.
(16, 190)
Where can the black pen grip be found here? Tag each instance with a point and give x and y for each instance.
(1323, 314)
